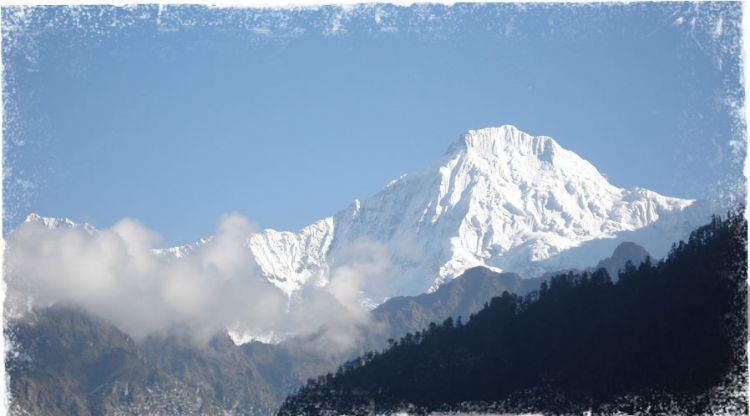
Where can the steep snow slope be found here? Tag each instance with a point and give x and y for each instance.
(288, 259)
(499, 198)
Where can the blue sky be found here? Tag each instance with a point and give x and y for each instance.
(177, 115)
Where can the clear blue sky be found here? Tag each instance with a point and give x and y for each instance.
(176, 116)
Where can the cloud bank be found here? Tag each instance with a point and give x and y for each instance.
(116, 274)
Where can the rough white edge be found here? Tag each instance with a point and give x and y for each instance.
(746, 113)
(291, 3)
(283, 3)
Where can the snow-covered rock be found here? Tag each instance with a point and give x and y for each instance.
(53, 223)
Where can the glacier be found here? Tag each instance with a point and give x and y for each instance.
(498, 198)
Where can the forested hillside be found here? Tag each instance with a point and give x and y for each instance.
(666, 337)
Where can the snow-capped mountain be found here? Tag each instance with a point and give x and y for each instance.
(499, 198)
(503, 199)
(53, 223)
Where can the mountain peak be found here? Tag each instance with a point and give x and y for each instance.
(49, 222)
(33, 217)
(505, 140)
(625, 252)
(53, 223)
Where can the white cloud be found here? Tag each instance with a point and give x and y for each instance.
(115, 274)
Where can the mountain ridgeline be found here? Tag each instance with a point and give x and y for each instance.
(664, 338)
(458, 298)
(498, 197)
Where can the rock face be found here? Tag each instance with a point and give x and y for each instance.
(498, 198)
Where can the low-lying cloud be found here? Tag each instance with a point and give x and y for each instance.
(116, 274)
